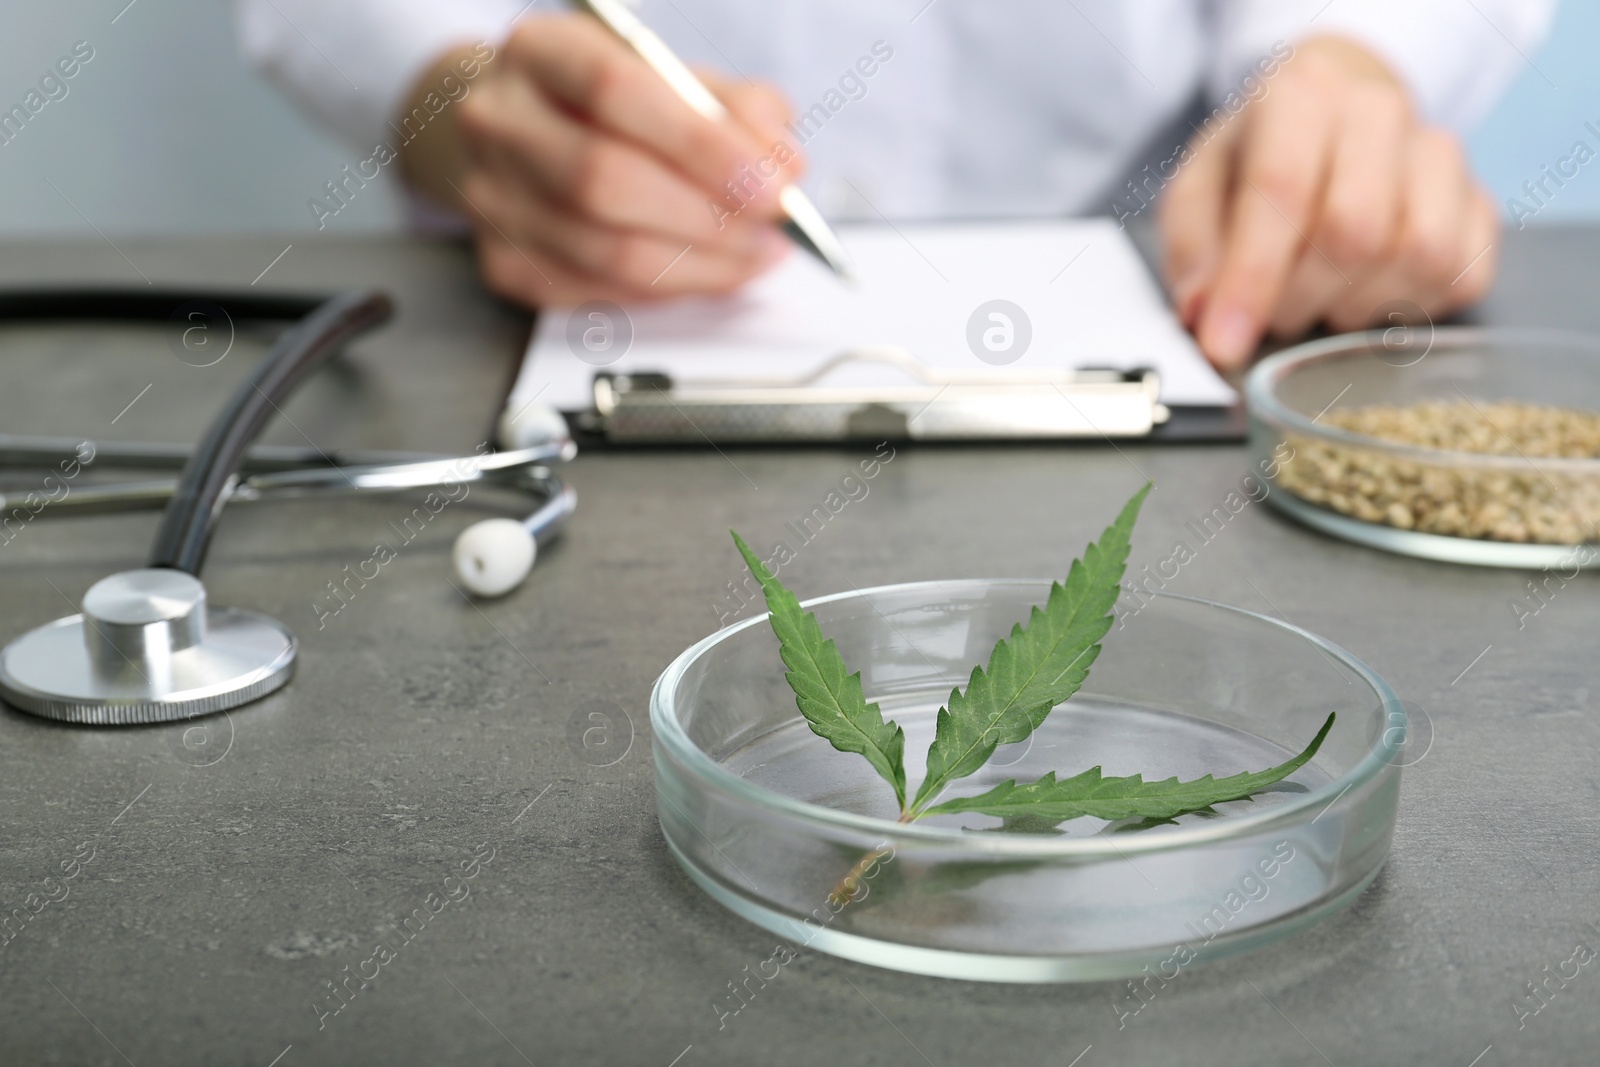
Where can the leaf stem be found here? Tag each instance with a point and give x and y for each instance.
(844, 891)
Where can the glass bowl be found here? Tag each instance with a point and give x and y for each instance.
(1499, 510)
(770, 819)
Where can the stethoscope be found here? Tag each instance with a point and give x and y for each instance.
(147, 646)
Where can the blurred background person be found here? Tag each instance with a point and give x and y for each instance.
(1306, 156)
(975, 112)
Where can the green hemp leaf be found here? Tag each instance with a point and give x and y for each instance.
(1038, 667)
(828, 695)
(1121, 798)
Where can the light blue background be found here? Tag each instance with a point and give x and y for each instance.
(1537, 122)
(166, 130)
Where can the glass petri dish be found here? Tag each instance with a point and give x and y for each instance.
(1496, 510)
(769, 819)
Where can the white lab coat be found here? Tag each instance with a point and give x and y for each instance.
(973, 108)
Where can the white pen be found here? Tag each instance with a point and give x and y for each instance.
(802, 221)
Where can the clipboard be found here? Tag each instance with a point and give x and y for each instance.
(652, 408)
(783, 363)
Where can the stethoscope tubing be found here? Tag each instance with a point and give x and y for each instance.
(18, 451)
(185, 530)
(521, 469)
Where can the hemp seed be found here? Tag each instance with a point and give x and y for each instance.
(1458, 500)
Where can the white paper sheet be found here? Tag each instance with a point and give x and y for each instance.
(1085, 295)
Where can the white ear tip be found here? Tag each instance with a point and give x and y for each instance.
(531, 425)
(492, 557)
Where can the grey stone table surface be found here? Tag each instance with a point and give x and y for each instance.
(224, 872)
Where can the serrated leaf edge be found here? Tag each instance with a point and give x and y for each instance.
(781, 601)
(931, 787)
(988, 803)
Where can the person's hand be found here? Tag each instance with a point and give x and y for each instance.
(585, 177)
(1322, 201)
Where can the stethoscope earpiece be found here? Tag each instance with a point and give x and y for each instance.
(530, 426)
(492, 557)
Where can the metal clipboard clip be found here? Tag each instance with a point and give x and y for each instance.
(936, 405)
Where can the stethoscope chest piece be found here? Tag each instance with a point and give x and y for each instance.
(147, 648)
